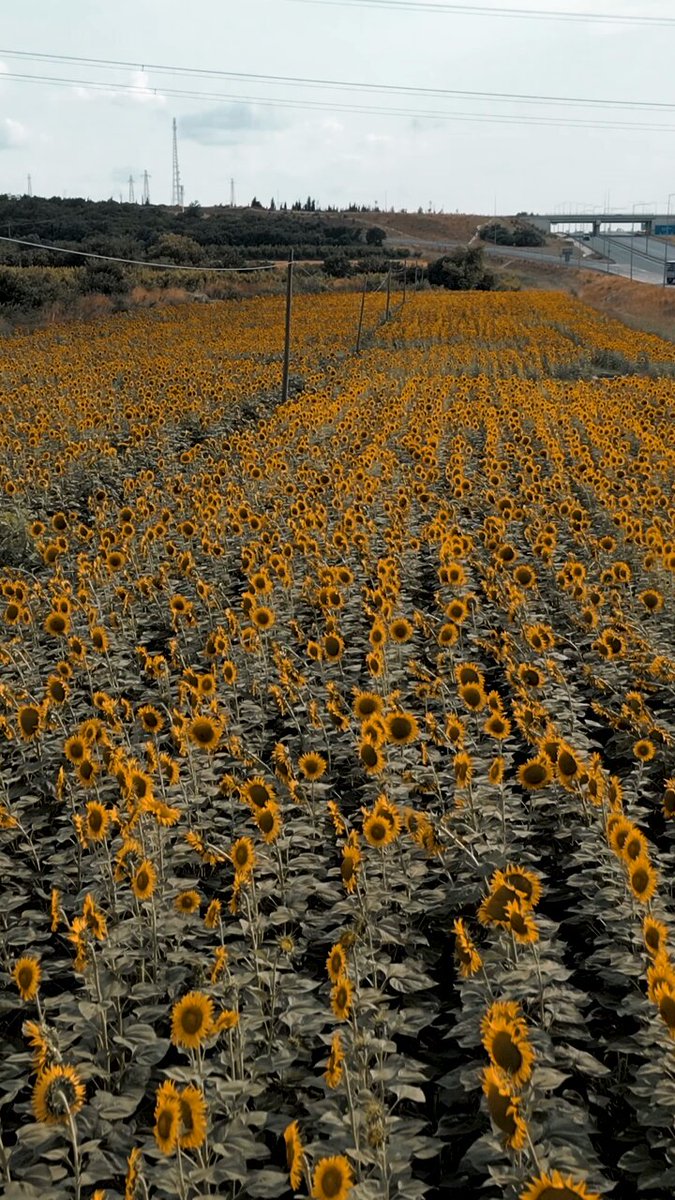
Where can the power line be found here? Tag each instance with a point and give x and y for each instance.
(482, 10)
(331, 106)
(138, 262)
(311, 82)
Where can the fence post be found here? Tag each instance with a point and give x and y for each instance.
(287, 343)
(363, 303)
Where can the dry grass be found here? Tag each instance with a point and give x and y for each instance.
(639, 305)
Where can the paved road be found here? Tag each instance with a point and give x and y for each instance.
(647, 255)
(647, 263)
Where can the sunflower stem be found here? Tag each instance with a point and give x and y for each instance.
(353, 1120)
(4, 1162)
(182, 1190)
(76, 1149)
(533, 1152)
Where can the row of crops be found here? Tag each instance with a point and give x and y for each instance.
(337, 755)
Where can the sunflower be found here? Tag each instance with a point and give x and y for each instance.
(351, 860)
(536, 773)
(504, 1108)
(469, 673)
(167, 1117)
(312, 765)
(644, 750)
(524, 576)
(333, 647)
(144, 880)
(243, 858)
(635, 846)
(263, 617)
(295, 1154)
(372, 758)
(191, 1020)
(497, 726)
(187, 902)
(473, 696)
(448, 634)
(99, 639)
(257, 793)
(133, 1174)
(87, 771)
(568, 766)
(521, 922)
(496, 771)
(205, 732)
(26, 975)
(94, 919)
(526, 883)
(55, 908)
(655, 935)
(268, 820)
(467, 957)
(58, 1094)
(668, 800)
(336, 963)
(377, 831)
(334, 1069)
(556, 1187)
(509, 1049)
(341, 998)
(192, 1105)
(492, 910)
(332, 1179)
(652, 600)
(401, 728)
(30, 721)
(57, 624)
(97, 820)
(150, 718)
(206, 685)
(463, 766)
(366, 704)
(140, 785)
(457, 611)
(618, 830)
(375, 664)
(642, 879)
(212, 915)
(400, 630)
(227, 1018)
(660, 971)
(455, 729)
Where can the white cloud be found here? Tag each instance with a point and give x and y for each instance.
(12, 134)
(138, 91)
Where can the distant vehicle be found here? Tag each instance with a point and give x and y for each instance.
(670, 274)
(586, 237)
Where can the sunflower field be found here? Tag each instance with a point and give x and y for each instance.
(337, 754)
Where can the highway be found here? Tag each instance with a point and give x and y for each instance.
(648, 254)
(647, 264)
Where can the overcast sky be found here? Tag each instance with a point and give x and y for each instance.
(77, 140)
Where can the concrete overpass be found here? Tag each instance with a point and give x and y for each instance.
(650, 223)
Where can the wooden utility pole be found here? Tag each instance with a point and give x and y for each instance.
(386, 315)
(287, 343)
(405, 281)
(363, 304)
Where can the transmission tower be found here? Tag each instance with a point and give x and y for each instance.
(177, 190)
(29, 189)
(146, 188)
(132, 197)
